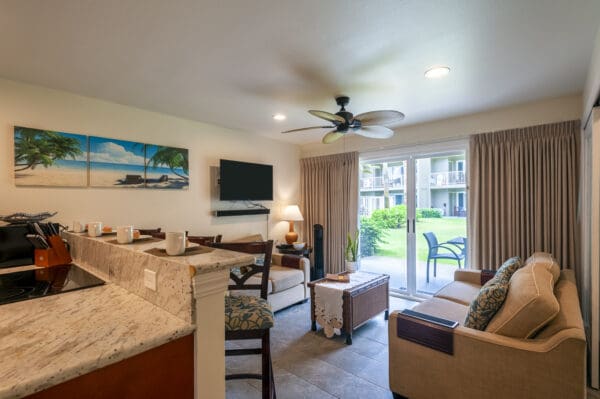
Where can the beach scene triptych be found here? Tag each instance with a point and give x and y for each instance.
(59, 159)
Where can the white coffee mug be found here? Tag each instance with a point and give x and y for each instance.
(78, 227)
(124, 234)
(175, 242)
(95, 229)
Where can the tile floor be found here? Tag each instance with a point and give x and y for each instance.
(309, 365)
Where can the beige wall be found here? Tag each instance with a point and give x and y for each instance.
(534, 113)
(38, 107)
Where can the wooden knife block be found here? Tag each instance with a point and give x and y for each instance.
(56, 255)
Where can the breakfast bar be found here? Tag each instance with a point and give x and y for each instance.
(162, 298)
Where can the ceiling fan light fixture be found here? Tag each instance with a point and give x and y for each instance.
(279, 117)
(437, 72)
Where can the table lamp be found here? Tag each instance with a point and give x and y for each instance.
(291, 213)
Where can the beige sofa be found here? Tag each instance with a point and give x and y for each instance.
(288, 278)
(533, 347)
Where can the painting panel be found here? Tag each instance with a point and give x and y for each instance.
(49, 158)
(167, 167)
(116, 163)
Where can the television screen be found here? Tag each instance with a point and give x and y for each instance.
(246, 181)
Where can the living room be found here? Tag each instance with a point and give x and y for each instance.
(470, 123)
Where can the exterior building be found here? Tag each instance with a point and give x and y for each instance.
(440, 183)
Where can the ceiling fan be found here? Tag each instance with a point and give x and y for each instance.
(369, 124)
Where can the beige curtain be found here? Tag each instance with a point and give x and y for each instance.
(523, 190)
(329, 196)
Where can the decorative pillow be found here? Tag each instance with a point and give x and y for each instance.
(491, 296)
(486, 304)
(507, 269)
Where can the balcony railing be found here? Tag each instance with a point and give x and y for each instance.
(445, 179)
(378, 182)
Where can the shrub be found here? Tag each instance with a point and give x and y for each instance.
(390, 218)
(371, 233)
(429, 213)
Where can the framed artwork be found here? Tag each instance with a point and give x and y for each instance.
(167, 167)
(116, 163)
(49, 158)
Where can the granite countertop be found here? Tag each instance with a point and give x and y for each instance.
(213, 259)
(49, 340)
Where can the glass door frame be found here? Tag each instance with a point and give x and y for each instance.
(411, 154)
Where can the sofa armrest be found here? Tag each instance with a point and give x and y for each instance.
(558, 361)
(468, 276)
(479, 277)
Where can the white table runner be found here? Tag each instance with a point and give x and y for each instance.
(329, 301)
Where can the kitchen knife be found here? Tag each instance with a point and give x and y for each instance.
(52, 229)
(38, 229)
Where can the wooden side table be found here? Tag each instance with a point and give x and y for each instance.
(360, 303)
(306, 251)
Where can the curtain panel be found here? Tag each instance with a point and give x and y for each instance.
(523, 194)
(329, 196)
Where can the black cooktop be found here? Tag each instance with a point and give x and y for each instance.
(30, 284)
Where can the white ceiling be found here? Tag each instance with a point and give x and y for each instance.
(236, 63)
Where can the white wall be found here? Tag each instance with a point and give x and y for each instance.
(37, 107)
(534, 113)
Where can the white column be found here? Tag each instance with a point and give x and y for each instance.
(209, 316)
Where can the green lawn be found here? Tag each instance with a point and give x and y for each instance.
(444, 228)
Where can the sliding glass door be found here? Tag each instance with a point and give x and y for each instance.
(413, 219)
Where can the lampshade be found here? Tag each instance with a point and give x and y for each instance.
(292, 213)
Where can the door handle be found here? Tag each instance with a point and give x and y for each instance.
(407, 226)
(414, 230)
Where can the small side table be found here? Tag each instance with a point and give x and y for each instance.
(284, 249)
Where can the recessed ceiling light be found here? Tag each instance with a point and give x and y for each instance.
(437, 72)
(279, 117)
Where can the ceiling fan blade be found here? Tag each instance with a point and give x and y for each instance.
(308, 128)
(332, 136)
(382, 118)
(328, 116)
(375, 132)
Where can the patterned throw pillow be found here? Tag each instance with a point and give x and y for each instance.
(491, 296)
(508, 268)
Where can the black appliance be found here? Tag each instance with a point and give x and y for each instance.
(15, 249)
(318, 269)
(243, 181)
(30, 284)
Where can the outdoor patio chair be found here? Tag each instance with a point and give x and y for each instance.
(452, 251)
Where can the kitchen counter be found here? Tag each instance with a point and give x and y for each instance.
(49, 340)
(176, 276)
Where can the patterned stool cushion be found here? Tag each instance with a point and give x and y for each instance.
(247, 313)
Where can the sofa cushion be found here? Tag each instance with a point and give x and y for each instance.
(250, 238)
(569, 315)
(545, 260)
(255, 279)
(530, 303)
(282, 277)
(443, 308)
(459, 291)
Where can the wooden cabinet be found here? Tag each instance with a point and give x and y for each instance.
(166, 371)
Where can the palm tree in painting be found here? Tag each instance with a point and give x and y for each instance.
(173, 158)
(35, 147)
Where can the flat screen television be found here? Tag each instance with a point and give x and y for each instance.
(241, 181)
